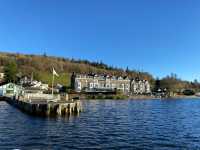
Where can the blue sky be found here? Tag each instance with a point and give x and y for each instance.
(157, 36)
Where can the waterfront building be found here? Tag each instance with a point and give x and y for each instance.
(140, 86)
(94, 82)
(29, 82)
(10, 89)
(25, 80)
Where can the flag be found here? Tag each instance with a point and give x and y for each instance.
(55, 73)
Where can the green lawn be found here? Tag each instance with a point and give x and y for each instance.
(64, 78)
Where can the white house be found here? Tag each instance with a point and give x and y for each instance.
(10, 89)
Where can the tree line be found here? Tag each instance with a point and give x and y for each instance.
(20, 64)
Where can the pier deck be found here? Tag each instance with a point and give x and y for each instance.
(44, 107)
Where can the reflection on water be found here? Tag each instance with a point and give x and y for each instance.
(107, 124)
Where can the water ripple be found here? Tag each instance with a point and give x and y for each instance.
(107, 124)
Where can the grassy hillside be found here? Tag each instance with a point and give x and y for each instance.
(64, 78)
(41, 67)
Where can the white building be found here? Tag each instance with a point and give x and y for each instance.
(94, 82)
(140, 87)
(29, 82)
(10, 89)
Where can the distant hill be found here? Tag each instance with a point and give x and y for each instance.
(41, 67)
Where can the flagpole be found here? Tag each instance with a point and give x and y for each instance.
(54, 73)
(52, 83)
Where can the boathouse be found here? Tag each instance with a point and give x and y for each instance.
(10, 89)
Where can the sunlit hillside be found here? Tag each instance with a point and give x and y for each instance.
(41, 67)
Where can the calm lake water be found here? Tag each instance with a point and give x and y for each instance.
(107, 124)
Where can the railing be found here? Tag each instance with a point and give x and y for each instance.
(38, 96)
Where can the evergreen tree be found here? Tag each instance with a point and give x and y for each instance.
(157, 85)
(127, 70)
(45, 54)
(10, 72)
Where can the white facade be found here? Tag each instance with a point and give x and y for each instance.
(95, 82)
(101, 83)
(10, 89)
(140, 87)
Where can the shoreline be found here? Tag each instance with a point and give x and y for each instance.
(143, 97)
(185, 97)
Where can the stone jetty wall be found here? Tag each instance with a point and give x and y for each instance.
(63, 108)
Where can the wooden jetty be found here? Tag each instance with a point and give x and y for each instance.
(42, 107)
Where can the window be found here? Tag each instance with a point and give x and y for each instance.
(91, 85)
(79, 85)
(96, 85)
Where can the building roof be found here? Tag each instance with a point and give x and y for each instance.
(103, 75)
